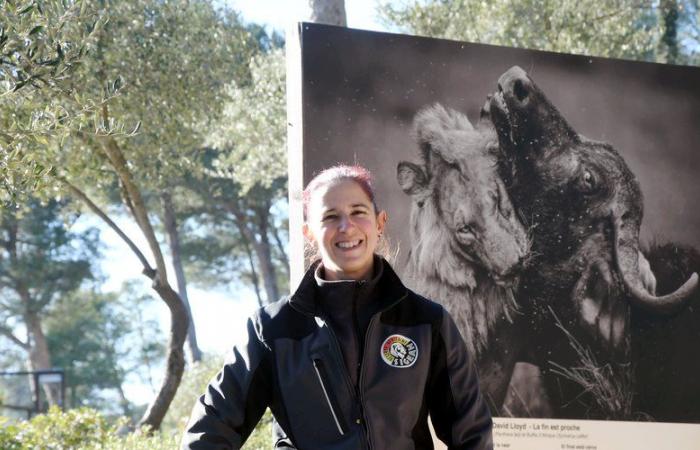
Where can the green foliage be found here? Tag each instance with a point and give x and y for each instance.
(41, 42)
(42, 45)
(173, 60)
(611, 28)
(115, 340)
(56, 430)
(82, 428)
(148, 74)
(87, 429)
(251, 133)
(46, 269)
(231, 222)
(9, 439)
(91, 362)
(41, 259)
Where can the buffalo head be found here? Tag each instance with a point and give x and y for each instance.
(583, 200)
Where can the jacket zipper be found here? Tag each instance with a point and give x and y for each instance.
(356, 333)
(346, 375)
(320, 372)
(361, 378)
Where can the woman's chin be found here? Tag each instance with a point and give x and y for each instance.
(351, 268)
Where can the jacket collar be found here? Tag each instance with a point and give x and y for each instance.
(306, 298)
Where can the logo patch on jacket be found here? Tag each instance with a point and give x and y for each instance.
(399, 351)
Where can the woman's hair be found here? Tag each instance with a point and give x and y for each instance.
(341, 172)
(333, 174)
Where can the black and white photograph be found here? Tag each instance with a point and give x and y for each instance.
(548, 201)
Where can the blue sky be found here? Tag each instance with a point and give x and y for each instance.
(279, 14)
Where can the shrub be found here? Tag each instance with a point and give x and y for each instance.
(81, 428)
(88, 429)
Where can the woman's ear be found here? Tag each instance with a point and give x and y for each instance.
(381, 221)
(307, 232)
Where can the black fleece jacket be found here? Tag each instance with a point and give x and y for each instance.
(413, 364)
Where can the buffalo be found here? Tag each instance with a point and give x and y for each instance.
(586, 270)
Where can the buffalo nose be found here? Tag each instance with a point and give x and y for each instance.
(515, 84)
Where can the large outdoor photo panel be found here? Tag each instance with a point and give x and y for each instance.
(547, 200)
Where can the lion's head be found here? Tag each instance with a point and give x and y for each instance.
(465, 234)
(463, 220)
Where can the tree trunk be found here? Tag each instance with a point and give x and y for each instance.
(261, 247)
(179, 320)
(331, 12)
(123, 401)
(170, 223)
(253, 273)
(267, 268)
(670, 14)
(175, 363)
(39, 356)
(280, 248)
(264, 252)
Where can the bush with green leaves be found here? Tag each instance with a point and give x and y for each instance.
(81, 428)
(88, 429)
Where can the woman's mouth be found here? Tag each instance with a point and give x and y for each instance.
(348, 245)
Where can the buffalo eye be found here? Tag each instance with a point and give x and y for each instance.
(588, 182)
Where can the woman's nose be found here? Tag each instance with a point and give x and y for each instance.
(345, 223)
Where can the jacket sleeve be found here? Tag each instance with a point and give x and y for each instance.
(235, 398)
(460, 416)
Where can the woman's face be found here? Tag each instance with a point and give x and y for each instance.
(343, 224)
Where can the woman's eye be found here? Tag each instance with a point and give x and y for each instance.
(359, 213)
(329, 217)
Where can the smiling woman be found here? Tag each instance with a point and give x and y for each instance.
(343, 222)
(336, 360)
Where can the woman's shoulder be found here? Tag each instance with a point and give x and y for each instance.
(280, 319)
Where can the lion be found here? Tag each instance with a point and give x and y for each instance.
(467, 243)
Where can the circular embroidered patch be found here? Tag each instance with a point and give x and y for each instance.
(399, 351)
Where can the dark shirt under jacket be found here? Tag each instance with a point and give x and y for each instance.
(348, 306)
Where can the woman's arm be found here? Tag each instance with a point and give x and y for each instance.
(234, 400)
(459, 413)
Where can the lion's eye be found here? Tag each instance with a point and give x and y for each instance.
(465, 235)
(466, 229)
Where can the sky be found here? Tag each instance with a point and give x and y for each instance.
(219, 315)
(280, 14)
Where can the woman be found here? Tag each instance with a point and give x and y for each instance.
(352, 359)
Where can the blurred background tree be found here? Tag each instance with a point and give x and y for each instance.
(120, 126)
(665, 31)
(41, 263)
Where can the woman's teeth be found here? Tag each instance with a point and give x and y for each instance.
(348, 244)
